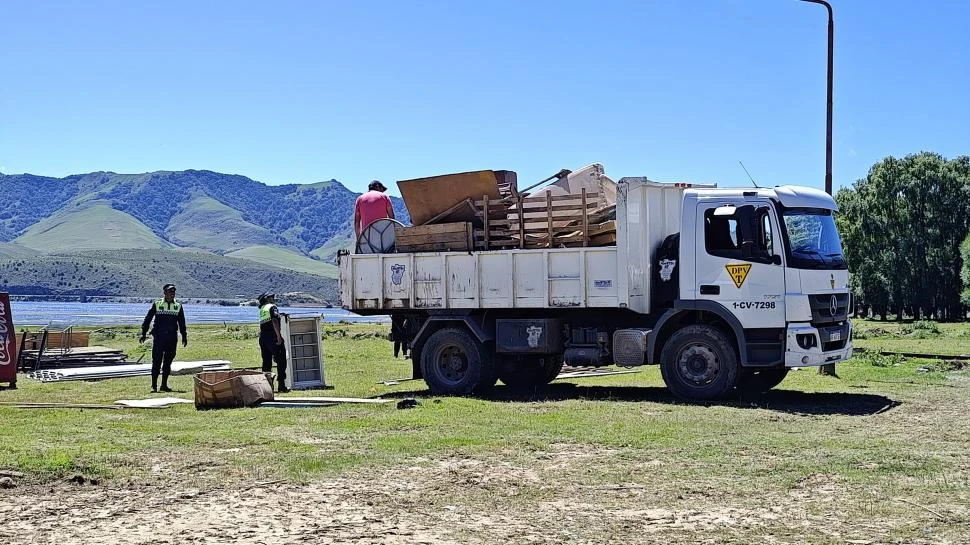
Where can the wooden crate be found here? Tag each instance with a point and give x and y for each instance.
(228, 389)
(441, 237)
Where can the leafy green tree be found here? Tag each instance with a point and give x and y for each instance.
(902, 225)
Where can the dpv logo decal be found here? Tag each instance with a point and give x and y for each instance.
(738, 272)
(534, 333)
(397, 274)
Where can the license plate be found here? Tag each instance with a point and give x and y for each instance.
(837, 336)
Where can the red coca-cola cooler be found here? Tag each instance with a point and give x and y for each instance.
(8, 339)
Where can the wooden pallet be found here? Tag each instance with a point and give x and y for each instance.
(434, 238)
(543, 221)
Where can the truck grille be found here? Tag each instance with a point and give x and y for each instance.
(829, 308)
(834, 337)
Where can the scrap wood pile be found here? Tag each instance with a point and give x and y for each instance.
(545, 221)
(484, 210)
(65, 348)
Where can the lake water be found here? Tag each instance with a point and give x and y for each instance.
(64, 314)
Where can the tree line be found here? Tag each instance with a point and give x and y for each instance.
(904, 229)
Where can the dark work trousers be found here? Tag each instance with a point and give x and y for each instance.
(163, 352)
(272, 351)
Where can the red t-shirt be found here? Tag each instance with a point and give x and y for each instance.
(372, 206)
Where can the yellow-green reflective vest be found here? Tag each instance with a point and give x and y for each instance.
(163, 307)
(266, 313)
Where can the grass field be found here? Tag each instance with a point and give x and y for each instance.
(877, 455)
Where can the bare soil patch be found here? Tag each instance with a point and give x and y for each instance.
(541, 498)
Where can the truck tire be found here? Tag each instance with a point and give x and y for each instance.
(518, 373)
(698, 362)
(455, 363)
(756, 381)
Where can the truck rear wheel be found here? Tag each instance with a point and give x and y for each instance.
(698, 362)
(756, 381)
(529, 371)
(455, 363)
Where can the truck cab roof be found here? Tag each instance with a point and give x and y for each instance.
(791, 196)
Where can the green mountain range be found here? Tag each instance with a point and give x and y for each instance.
(220, 235)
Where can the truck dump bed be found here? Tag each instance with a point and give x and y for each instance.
(579, 277)
(560, 278)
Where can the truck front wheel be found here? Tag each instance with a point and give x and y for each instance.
(455, 363)
(698, 362)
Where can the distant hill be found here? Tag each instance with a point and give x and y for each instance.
(92, 225)
(142, 273)
(193, 208)
(53, 229)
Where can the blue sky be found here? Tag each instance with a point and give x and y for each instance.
(299, 92)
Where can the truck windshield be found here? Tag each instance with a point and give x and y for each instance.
(812, 240)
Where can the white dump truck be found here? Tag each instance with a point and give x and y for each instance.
(725, 289)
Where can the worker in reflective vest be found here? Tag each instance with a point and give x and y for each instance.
(169, 317)
(271, 345)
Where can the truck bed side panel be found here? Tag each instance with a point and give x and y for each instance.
(557, 278)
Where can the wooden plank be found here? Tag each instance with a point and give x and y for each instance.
(433, 239)
(605, 239)
(497, 233)
(549, 218)
(604, 213)
(585, 221)
(578, 205)
(428, 197)
(430, 230)
(558, 198)
(485, 212)
(460, 209)
(558, 218)
(433, 229)
(521, 227)
(503, 243)
(605, 227)
(539, 199)
(450, 246)
(57, 339)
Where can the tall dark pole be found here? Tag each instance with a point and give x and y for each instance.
(828, 369)
(828, 104)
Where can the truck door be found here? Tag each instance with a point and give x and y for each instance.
(739, 265)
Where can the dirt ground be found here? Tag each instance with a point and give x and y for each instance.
(458, 500)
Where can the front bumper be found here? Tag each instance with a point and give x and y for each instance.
(831, 345)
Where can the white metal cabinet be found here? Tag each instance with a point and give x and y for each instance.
(303, 338)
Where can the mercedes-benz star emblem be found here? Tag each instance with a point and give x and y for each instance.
(834, 305)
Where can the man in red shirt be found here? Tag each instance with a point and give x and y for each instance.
(372, 206)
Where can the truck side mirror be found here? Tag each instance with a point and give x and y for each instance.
(749, 250)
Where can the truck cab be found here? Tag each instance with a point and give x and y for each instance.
(769, 264)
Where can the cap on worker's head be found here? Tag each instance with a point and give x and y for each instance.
(376, 186)
(266, 295)
(168, 287)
